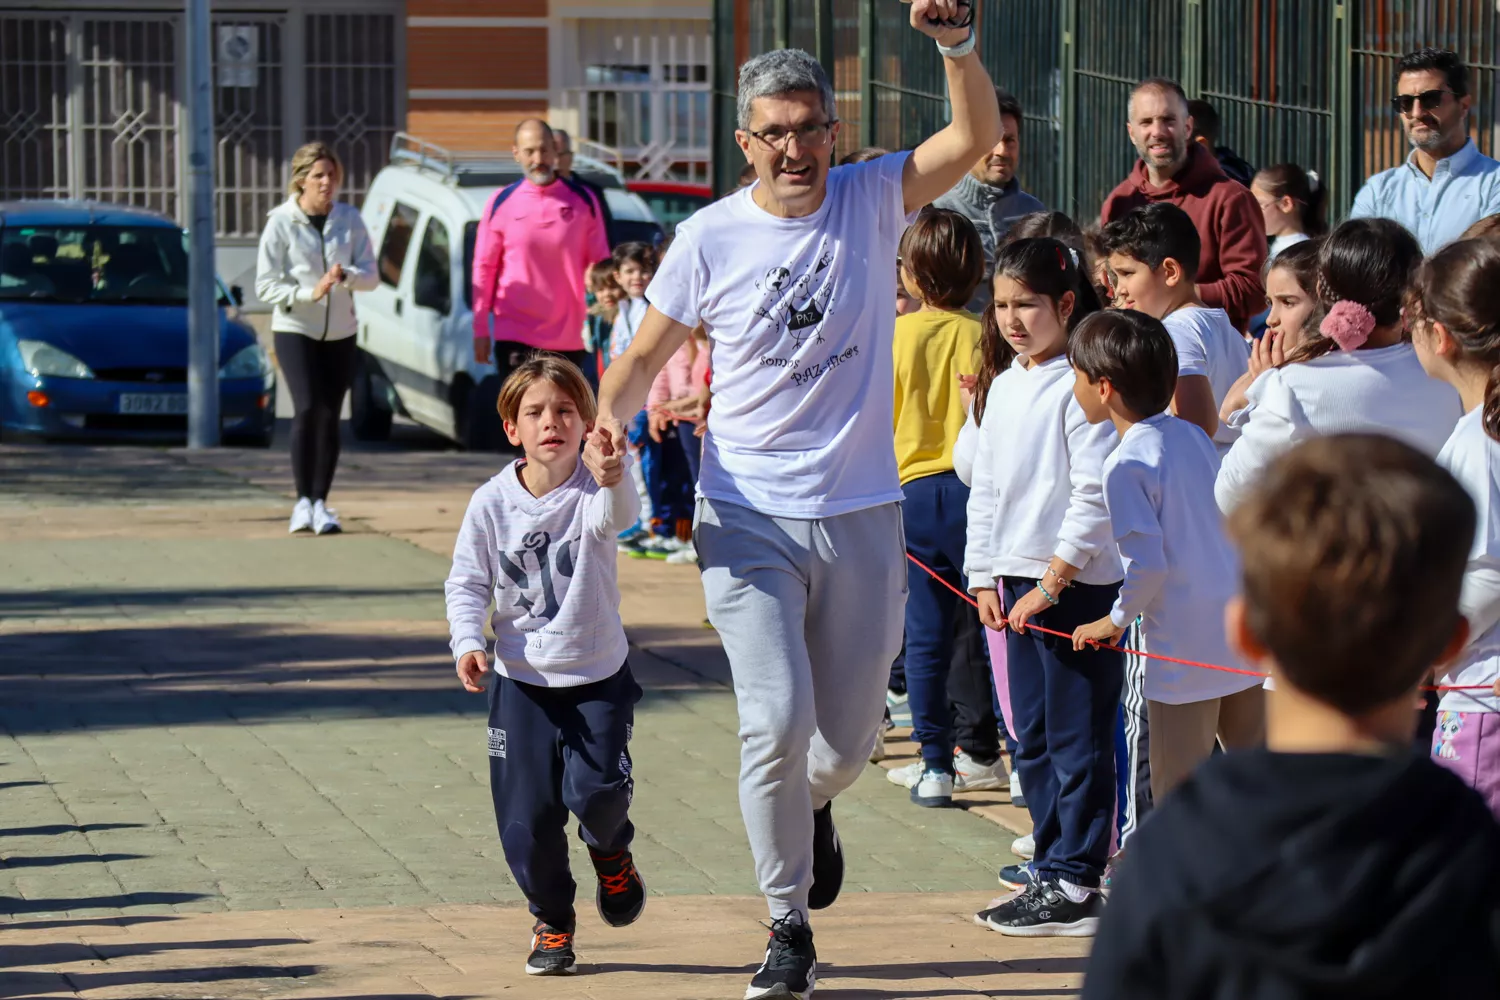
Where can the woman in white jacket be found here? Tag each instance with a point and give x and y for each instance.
(314, 254)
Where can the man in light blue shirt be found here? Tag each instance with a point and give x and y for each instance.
(1446, 184)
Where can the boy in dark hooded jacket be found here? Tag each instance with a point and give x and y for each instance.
(1334, 863)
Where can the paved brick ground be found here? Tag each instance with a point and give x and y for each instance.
(206, 725)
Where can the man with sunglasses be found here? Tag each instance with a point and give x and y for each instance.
(1446, 184)
(798, 526)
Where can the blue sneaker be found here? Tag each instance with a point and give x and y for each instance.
(1017, 876)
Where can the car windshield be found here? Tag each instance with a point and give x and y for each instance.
(123, 265)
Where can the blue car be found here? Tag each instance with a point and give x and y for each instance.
(94, 330)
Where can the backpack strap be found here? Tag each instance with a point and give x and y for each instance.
(505, 193)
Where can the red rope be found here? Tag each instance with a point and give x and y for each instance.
(1155, 656)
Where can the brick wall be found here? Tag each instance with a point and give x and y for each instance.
(461, 125)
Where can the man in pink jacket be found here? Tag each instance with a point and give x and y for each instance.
(535, 243)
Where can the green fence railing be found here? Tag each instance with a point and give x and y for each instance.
(1302, 81)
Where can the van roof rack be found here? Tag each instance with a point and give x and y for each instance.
(465, 168)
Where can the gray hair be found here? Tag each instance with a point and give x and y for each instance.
(780, 72)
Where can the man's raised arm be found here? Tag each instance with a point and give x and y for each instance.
(938, 164)
(622, 392)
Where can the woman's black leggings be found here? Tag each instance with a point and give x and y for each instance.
(318, 373)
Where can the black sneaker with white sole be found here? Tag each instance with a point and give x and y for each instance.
(551, 951)
(828, 861)
(791, 966)
(1044, 910)
(622, 892)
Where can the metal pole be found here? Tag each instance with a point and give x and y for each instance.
(203, 306)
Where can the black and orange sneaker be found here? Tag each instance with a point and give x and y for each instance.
(551, 952)
(622, 892)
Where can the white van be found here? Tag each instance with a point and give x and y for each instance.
(416, 329)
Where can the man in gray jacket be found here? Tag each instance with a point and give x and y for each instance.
(990, 195)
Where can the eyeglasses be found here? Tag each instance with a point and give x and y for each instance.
(814, 135)
(1429, 99)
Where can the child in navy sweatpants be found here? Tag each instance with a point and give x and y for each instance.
(539, 540)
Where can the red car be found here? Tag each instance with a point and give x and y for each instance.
(672, 201)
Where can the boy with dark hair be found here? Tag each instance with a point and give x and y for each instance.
(538, 545)
(1153, 253)
(1334, 862)
(1179, 568)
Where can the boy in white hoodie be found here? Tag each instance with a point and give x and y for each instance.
(539, 539)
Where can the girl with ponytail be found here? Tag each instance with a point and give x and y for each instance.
(1356, 372)
(1454, 309)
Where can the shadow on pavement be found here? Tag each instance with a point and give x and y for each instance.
(68, 952)
(13, 905)
(50, 925)
(243, 672)
(71, 602)
(22, 984)
(53, 829)
(66, 859)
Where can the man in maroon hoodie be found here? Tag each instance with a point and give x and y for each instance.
(1173, 169)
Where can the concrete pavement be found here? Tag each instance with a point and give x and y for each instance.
(236, 764)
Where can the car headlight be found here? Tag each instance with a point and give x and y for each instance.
(41, 358)
(248, 362)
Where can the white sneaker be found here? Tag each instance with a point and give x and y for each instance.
(906, 775)
(302, 517)
(971, 776)
(934, 789)
(1024, 847)
(1016, 798)
(685, 556)
(325, 519)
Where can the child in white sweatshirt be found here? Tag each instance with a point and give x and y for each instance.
(1180, 570)
(539, 540)
(1359, 373)
(1040, 552)
(1455, 315)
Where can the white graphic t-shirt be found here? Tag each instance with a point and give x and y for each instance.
(801, 313)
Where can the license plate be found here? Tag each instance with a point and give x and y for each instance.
(153, 402)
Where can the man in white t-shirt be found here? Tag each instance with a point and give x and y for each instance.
(798, 529)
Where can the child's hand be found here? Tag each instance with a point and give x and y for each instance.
(472, 667)
(966, 386)
(658, 422)
(1033, 603)
(990, 611)
(1104, 631)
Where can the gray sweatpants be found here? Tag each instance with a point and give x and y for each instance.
(810, 613)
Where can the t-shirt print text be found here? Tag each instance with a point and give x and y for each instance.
(796, 301)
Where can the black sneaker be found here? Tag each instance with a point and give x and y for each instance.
(622, 892)
(1002, 907)
(791, 966)
(828, 861)
(1043, 910)
(551, 952)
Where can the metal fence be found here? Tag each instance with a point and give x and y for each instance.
(1302, 81)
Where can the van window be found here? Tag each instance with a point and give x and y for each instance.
(434, 280)
(396, 242)
(471, 234)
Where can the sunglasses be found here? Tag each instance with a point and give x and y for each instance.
(1429, 99)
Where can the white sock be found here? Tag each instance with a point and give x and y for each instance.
(1075, 893)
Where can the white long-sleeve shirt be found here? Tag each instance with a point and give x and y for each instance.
(1381, 390)
(1180, 569)
(965, 448)
(548, 563)
(1474, 459)
(1038, 489)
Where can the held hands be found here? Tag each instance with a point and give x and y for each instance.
(604, 451)
(1102, 632)
(933, 17)
(472, 667)
(991, 614)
